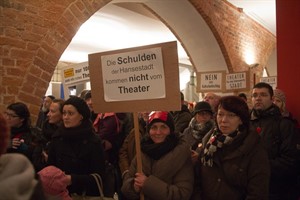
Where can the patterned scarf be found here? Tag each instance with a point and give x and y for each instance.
(216, 140)
(199, 130)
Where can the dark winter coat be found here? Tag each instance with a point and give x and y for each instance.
(78, 152)
(26, 148)
(278, 136)
(108, 127)
(240, 170)
(181, 118)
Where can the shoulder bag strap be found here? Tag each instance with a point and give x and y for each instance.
(98, 180)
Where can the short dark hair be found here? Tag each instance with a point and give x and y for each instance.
(238, 106)
(181, 96)
(51, 97)
(242, 95)
(265, 85)
(60, 102)
(22, 111)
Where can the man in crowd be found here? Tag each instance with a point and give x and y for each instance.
(278, 137)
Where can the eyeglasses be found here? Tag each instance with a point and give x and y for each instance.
(229, 115)
(255, 95)
(10, 115)
(204, 113)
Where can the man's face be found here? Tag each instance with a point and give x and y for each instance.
(261, 98)
(212, 99)
(89, 102)
(46, 104)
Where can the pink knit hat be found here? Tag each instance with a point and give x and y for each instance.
(54, 182)
(280, 95)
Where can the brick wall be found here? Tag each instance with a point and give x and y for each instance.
(235, 33)
(34, 34)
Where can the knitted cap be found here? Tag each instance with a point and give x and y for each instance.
(280, 95)
(80, 106)
(202, 106)
(54, 181)
(161, 116)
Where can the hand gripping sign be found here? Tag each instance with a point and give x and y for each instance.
(134, 80)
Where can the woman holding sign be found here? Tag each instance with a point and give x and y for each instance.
(166, 163)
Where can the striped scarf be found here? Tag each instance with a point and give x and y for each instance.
(216, 140)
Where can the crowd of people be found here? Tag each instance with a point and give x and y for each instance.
(223, 148)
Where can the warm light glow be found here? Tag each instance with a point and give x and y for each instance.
(265, 74)
(103, 32)
(249, 56)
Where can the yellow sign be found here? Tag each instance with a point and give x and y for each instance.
(69, 73)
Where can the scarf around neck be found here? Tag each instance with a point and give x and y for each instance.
(157, 150)
(83, 131)
(216, 141)
(199, 130)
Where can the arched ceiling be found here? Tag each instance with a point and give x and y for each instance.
(128, 23)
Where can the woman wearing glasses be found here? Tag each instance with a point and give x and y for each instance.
(18, 119)
(234, 165)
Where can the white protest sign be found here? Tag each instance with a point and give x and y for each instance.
(137, 79)
(272, 80)
(76, 73)
(133, 76)
(237, 81)
(210, 81)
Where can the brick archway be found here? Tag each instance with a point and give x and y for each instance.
(33, 37)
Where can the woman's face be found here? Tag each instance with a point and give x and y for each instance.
(203, 117)
(158, 132)
(13, 120)
(71, 116)
(278, 102)
(228, 122)
(54, 114)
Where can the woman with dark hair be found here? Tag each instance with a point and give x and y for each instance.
(17, 176)
(234, 165)
(76, 150)
(166, 163)
(18, 119)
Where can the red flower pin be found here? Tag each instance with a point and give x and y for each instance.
(212, 139)
(258, 130)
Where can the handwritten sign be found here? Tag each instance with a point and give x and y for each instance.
(134, 75)
(136, 79)
(272, 80)
(237, 81)
(210, 81)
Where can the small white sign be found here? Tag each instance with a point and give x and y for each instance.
(135, 75)
(272, 80)
(211, 81)
(236, 81)
(76, 73)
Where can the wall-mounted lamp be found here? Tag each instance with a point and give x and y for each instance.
(253, 65)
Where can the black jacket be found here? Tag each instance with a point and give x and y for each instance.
(78, 152)
(277, 135)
